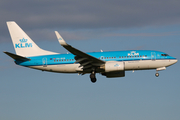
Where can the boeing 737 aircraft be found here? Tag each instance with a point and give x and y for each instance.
(110, 64)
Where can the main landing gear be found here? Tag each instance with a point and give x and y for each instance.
(93, 77)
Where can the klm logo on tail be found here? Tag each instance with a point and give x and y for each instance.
(23, 44)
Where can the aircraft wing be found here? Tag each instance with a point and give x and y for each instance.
(87, 61)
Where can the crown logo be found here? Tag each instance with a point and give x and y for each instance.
(23, 40)
(116, 65)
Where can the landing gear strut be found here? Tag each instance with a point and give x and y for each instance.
(93, 77)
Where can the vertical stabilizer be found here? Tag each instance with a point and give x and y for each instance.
(23, 44)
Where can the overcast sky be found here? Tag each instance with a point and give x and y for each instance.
(110, 25)
(40, 16)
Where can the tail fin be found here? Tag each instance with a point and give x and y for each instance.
(23, 44)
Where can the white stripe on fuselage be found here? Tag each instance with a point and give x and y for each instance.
(129, 65)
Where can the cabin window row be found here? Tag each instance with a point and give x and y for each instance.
(59, 60)
(123, 57)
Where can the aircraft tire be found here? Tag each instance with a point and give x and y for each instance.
(157, 74)
(93, 78)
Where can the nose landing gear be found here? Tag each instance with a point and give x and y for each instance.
(159, 69)
(157, 74)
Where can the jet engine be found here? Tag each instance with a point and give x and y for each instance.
(113, 69)
(113, 66)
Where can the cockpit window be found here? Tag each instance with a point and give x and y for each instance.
(164, 55)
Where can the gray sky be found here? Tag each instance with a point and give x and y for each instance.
(43, 15)
(28, 94)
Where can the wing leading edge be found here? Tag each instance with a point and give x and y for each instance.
(86, 61)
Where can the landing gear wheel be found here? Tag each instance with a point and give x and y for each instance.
(93, 77)
(157, 74)
(93, 80)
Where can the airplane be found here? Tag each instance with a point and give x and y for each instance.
(110, 64)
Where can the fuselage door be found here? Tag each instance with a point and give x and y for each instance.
(44, 62)
(153, 56)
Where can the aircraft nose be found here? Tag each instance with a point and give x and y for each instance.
(176, 61)
(173, 61)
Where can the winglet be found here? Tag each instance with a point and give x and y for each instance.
(60, 39)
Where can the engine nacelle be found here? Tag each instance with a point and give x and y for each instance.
(114, 66)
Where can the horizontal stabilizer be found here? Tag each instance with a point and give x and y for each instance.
(17, 57)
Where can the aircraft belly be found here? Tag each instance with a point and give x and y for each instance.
(65, 68)
(146, 64)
